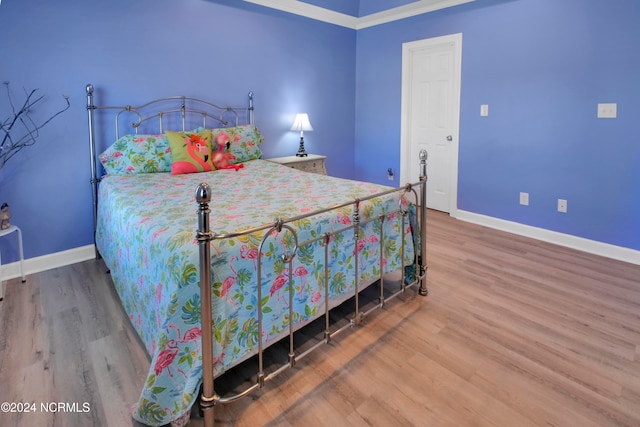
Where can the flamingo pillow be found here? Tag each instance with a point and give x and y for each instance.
(190, 151)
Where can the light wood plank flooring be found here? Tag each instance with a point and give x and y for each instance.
(514, 332)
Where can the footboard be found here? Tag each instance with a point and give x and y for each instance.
(412, 275)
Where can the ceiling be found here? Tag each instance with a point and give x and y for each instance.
(313, 11)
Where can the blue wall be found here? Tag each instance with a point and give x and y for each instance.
(133, 51)
(542, 66)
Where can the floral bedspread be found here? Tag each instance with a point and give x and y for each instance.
(146, 235)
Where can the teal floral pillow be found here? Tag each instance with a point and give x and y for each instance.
(137, 154)
(243, 142)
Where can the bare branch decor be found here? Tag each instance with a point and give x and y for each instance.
(19, 130)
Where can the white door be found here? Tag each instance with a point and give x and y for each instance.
(431, 73)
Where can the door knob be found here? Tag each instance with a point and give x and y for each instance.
(449, 138)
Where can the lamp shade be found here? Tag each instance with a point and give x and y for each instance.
(302, 123)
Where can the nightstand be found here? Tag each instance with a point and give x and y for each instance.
(311, 163)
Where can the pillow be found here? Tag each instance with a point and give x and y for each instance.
(244, 142)
(137, 154)
(190, 151)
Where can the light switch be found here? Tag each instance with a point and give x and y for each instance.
(607, 111)
(484, 110)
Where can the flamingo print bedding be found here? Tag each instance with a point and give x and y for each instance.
(146, 235)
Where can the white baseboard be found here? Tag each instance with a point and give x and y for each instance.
(71, 256)
(591, 246)
(48, 262)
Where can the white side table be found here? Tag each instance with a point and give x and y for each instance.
(10, 230)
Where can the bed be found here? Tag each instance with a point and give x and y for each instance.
(214, 264)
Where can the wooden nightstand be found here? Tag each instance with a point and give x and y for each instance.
(312, 163)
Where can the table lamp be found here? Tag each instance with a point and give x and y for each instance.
(301, 124)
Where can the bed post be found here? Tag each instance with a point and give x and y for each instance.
(423, 224)
(92, 150)
(204, 236)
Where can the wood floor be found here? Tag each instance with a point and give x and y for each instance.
(514, 332)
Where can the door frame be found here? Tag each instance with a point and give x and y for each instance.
(408, 48)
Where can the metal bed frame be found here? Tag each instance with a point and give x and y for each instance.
(204, 236)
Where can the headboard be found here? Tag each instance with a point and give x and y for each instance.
(178, 113)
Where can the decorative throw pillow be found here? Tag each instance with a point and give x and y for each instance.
(190, 151)
(136, 154)
(243, 142)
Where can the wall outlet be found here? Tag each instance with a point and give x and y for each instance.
(484, 110)
(524, 199)
(562, 205)
(607, 111)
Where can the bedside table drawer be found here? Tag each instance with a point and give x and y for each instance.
(315, 166)
(312, 163)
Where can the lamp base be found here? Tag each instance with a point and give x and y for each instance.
(301, 152)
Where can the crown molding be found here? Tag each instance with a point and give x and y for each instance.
(406, 11)
(321, 14)
(310, 11)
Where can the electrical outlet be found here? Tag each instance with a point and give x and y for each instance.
(607, 111)
(390, 174)
(524, 199)
(562, 205)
